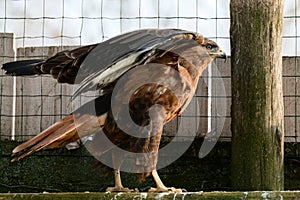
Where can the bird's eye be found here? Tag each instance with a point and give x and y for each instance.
(208, 46)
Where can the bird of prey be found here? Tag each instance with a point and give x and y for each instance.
(171, 60)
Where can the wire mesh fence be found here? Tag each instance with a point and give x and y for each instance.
(42, 28)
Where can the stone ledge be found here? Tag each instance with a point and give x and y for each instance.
(163, 196)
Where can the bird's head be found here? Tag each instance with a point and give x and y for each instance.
(213, 49)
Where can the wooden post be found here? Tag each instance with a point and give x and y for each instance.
(257, 100)
(6, 87)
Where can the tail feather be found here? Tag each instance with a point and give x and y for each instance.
(84, 122)
(41, 136)
(58, 135)
(23, 67)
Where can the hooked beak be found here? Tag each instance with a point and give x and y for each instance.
(222, 55)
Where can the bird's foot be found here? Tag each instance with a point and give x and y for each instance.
(119, 189)
(166, 189)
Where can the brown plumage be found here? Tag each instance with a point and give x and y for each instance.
(127, 59)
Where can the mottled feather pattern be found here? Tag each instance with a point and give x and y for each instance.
(184, 56)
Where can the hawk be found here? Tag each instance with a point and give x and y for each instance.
(149, 75)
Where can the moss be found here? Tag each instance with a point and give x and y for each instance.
(72, 171)
(162, 196)
(256, 65)
(65, 171)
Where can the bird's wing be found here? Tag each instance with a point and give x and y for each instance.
(63, 66)
(95, 66)
(112, 58)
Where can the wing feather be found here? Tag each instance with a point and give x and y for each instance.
(129, 50)
(111, 58)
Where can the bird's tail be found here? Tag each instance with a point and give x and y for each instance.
(85, 121)
(58, 135)
(23, 67)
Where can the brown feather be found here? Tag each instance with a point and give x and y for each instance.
(42, 135)
(59, 134)
(185, 57)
